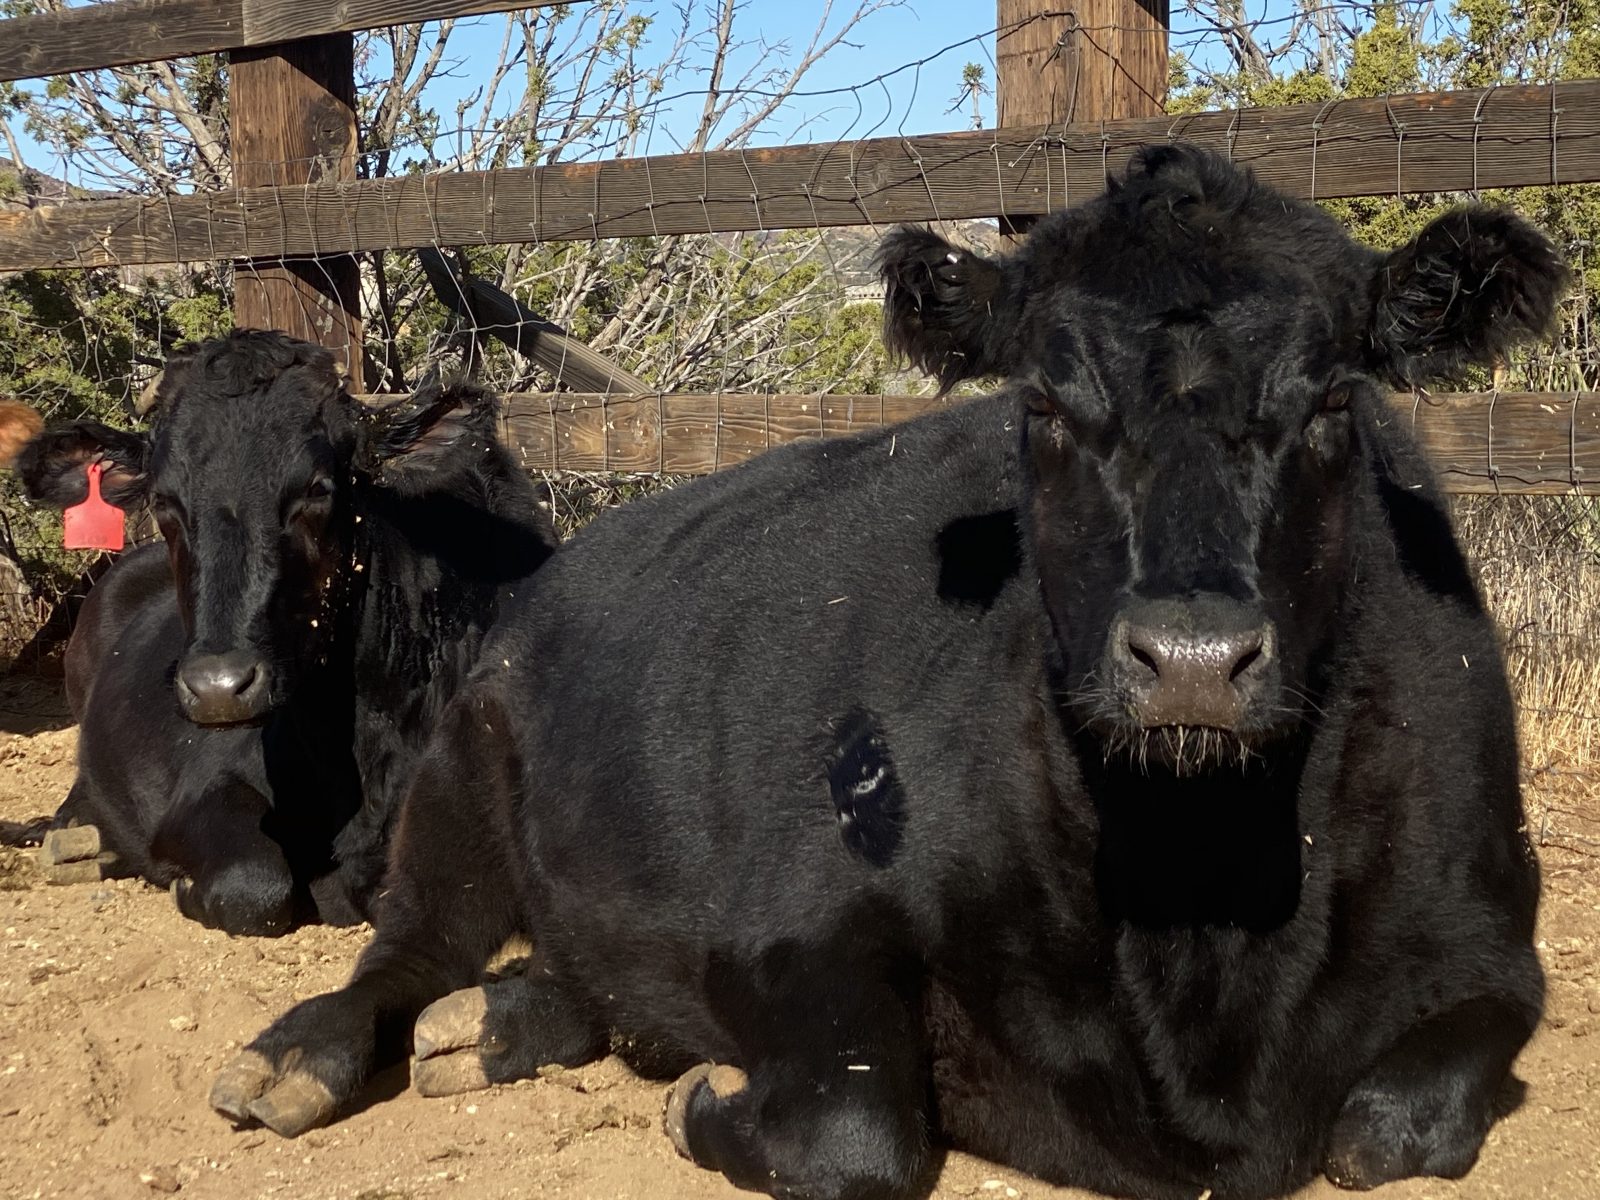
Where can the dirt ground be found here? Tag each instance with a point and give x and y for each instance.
(115, 1014)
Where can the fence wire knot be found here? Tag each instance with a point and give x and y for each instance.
(1316, 138)
(1555, 142)
(1477, 131)
(1399, 128)
(1574, 471)
(1493, 467)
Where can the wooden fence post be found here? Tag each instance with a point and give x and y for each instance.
(1090, 61)
(292, 120)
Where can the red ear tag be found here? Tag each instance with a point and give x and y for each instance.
(94, 524)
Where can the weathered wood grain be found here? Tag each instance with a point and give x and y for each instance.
(496, 314)
(120, 32)
(1510, 443)
(1440, 141)
(295, 122)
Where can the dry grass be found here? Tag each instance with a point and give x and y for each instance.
(1538, 562)
(578, 497)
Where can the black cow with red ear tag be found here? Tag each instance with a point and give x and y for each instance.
(1114, 777)
(252, 692)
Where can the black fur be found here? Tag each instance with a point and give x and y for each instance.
(1150, 960)
(945, 308)
(978, 556)
(356, 555)
(1475, 283)
(52, 464)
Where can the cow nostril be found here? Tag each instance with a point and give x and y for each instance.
(1143, 657)
(1247, 660)
(223, 688)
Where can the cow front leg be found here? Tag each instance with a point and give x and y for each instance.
(451, 904)
(829, 1098)
(501, 1032)
(804, 1130)
(312, 1061)
(1427, 1105)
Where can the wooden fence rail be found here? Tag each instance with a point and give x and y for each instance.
(121, 32)
(1506, 443)
(1442, 141)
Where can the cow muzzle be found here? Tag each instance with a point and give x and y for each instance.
(224, 689)
(1200, 662)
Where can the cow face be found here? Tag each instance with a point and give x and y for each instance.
(1196, 363)
(255, 469)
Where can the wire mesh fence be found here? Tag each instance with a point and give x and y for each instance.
(499, 158)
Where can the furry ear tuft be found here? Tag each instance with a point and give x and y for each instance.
(240, 363)
(945, 309)
(1469, 288)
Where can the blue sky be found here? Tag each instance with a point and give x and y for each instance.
(913, 99)
(839, 97)
(940, 35)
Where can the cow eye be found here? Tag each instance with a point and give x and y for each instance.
(314, 503)
(1337, 399)
(166, 510)
(1040, 402)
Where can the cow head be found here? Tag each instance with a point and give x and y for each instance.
(255, 469)
(1197, 365)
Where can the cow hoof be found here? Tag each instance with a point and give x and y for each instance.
(453, 1022)
(723, 1081)
(448, 1076)
(241, 1083)
(446, 1043)
(78, 843)
(249, 1091)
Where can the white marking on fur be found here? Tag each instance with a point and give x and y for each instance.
(867, 785)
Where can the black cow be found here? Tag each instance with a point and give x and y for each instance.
(247, 734)
(1115, 778)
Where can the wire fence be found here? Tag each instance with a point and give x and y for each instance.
(595, 230)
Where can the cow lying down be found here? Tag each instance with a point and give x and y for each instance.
(1114, 778)
(253, 694)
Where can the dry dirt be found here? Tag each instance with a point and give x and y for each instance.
(114, 1015)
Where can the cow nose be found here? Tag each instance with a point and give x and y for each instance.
(222, 689)
(1192, 663)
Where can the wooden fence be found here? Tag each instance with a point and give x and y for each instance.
(1447, 141)
(1489, 443)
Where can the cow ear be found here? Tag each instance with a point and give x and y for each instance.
(1472, 285)
(175, 375)
(54, 465)
(942, 307)
(439, 432)
(18, 423)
